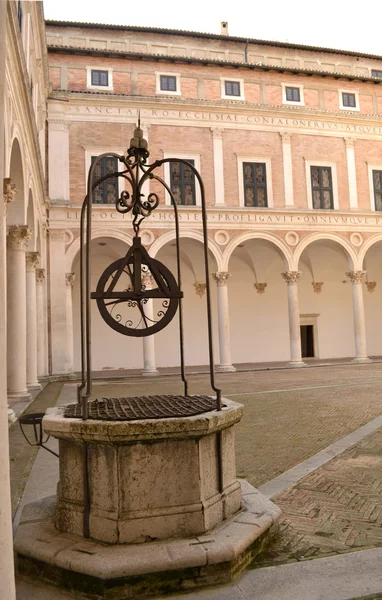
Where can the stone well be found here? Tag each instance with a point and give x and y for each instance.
(148, 480)
(160, 519)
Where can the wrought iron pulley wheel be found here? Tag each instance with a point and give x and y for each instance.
(128, 284)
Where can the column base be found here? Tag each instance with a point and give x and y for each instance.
(361, 360)
(225, 369)
(19, 395)
(149, 372)
(34, 386)
(11, 416)
(296, 363)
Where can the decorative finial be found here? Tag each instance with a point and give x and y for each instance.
(138, 144)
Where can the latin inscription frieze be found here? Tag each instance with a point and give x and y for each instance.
(215, 117)
(239, 218)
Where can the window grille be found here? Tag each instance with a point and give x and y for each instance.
(377, 184)
(232, 88)
(255, 184)
(292, 94)
(182, 183)
(168, 83)
(107, 191)
(322, 187)
(100, 78)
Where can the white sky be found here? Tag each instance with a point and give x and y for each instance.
(344, 24)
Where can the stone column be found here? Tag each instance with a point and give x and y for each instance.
(17, 242)
(217, 140)
(149, 362)
(223, 321)
(288, 173)
(6, 543)
(352, 178)
(32, 260)
(58, 301)
(69, 278)
(291, 278)
(356, 277)
(41, 341)
(9, 191)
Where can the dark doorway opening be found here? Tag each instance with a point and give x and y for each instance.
(307, 341)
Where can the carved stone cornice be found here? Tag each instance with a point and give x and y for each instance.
(18, 237)
(317, 286)
(217, 133)
(371, 285)
(69, 279)
(40, 276)
(356, 276)
(349, 142)
(200, 288)
(9, 192)
(291, 277)
(285, 137)
(221, 278)
(260, 287)
(32, 259)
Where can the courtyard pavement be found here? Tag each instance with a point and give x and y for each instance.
(312, 440)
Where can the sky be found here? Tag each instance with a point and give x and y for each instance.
(346, 25)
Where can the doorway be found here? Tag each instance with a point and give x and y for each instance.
(307, 341)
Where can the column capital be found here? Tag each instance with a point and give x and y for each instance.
(9, 192)
(200, 288)
(69, 279)
(349, 142)
(260, 287)
(40, 276)
(57, 235)
(18, 237)
(147, 280)
(371, 285)
(217, 133)
(285, 137)
(356, 276)
(221, 278)
(317, 286)
(291, 277)
(32, 260)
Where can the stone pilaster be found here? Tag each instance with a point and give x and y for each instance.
(291, 278)
(357, 278)
(352, 176)
(58, 301)
(221, 279)
(32, 260)
(41, 323)
(287, 164)
(217, 143)
(17, 242)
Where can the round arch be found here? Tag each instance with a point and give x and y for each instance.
(17, 210)
(269, 237)
(170, 236)
(369, 243)
(318, 237)
(74, 247)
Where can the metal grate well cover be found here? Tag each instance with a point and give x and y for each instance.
(143, 407)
